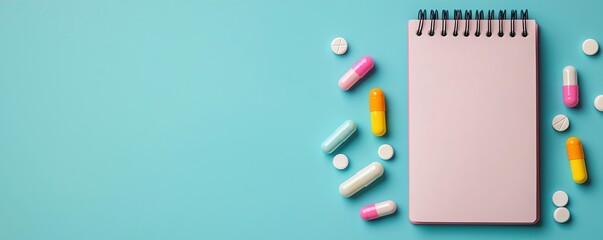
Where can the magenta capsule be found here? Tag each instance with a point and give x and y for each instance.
(570, 86)
(356, 72)
(378, 210)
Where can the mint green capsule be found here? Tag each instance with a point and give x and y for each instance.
(338, 137)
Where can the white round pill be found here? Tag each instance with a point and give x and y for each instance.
(560, 123)
(590, 47)
(340, 161)
(560, 198)
(386, 152)
(599, 103)
(339, 45)
(561, 215)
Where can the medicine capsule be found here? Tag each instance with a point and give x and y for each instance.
(570, 86)
(338, 137)
(361, 179)
(378, 210)
(356, 72)
(377, 109)
(575, 154)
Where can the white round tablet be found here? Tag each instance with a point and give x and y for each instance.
(386, 152)
(339, 45)
(599, 103)
(560, 198)
(340, 161)
(590, 47)
(560, 123)
(561, 215)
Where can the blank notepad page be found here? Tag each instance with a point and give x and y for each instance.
(473, 124)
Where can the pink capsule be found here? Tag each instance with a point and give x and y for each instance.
(356, 72)
(571, 95)
(378, 210)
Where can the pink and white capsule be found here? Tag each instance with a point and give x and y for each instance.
(356, 72)
(378, 210)
(571, 92)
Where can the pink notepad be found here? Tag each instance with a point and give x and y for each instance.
(473, 123)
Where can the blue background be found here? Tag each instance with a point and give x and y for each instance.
(203, 119)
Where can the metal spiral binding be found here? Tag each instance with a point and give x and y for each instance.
(468, 16)
(524, 19)
(444, 19)
(479, 16)
(490, 17)
(433, 16)
(513, 18)
(457, 16)
(421, 17)
(502, 15)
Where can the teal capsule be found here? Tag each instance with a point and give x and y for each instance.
(338, 137)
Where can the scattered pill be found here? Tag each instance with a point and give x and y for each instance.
(339, 45)
(570, 86)
(599, 103)
(338, 137)
(377, 109)
(378, 210)
(356, 72)
(575, 155)
(340, 161)
(386, 152)
(560, 123)
(561, 215)
(590, 47)
(560, 198)
(361, 179)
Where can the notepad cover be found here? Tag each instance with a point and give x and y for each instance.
(473, 125)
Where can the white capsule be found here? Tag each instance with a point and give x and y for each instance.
(338, 137)
(361, 179)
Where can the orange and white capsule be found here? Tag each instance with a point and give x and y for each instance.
(575, 154)
(377, 109)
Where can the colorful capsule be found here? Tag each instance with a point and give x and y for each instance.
(571, 93)
(377, 109)
(361, 179)
(378, 210)
(575, 154)
(356, 72)
(338, 137)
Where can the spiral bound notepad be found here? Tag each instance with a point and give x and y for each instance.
(473, 118)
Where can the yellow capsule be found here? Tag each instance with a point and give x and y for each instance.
(377, 109)
(575, 154)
